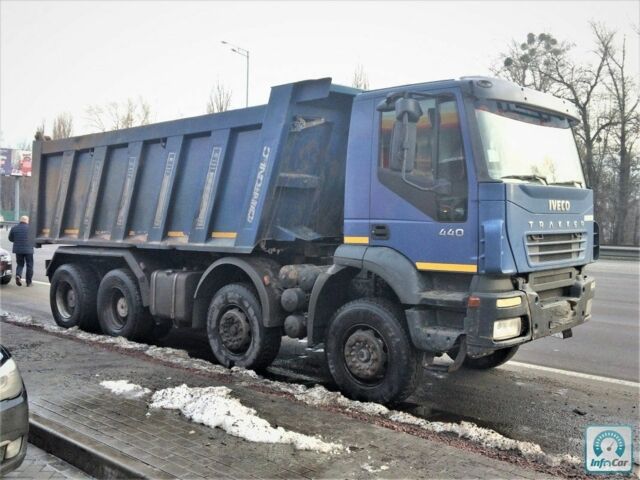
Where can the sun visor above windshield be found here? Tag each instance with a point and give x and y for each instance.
(497, 89)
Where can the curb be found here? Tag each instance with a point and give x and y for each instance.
(93, 457)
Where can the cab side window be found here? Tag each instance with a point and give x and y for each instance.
(439, 160)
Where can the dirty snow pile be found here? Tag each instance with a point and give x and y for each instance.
(372, 469)
(320, 396)
(126, 389)
(214, 407)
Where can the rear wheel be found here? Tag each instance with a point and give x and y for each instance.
(5, 280)
(120, 308)
(369, 352)
(72, 296)
(236, 332)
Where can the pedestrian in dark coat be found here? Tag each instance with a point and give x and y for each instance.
(23, 249)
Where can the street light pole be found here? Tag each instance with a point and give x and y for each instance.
(245, 53)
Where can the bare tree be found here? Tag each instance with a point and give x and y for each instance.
(624, 99)
(39, 135)
(528, 63)
(62, 126)
(360, 78)
(114, 115)
(582, 85)
(219, 98)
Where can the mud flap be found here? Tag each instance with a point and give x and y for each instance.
(462, 354)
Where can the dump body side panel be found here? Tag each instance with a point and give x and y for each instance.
(220, 183)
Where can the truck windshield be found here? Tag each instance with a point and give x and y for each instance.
(524, 145)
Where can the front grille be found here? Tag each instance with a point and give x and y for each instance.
(555, 247)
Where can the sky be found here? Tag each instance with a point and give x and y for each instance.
(60, 56)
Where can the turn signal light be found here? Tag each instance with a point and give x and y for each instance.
(473, 302)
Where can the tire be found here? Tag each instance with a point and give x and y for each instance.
(236, 332)
(72, 296)
(120, 309)
(492, 360)
(383, 366)
(5, 280)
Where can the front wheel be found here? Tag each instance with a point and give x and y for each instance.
(369, 352)
(5, 280)
(236, 333)
(120, 309)
(492, 360)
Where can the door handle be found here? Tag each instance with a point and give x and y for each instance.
(380, 232)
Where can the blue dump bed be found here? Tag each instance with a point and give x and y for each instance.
(222, 182)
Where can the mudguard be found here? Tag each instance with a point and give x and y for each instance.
(263, 273)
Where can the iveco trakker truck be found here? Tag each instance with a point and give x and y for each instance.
(389, 227)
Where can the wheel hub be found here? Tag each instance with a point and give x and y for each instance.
(71, 298)
(122, 307)
(235, 330)
(364, 355)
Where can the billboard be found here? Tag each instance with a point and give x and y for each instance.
(15, 162)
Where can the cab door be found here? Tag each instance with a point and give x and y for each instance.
(422, 204)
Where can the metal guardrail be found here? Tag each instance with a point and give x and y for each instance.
(620, 253)
(7, 224)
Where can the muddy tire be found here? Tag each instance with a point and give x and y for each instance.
(236, 332)
(492, 360)
(72, 296)
(369, 352)
(120, 308)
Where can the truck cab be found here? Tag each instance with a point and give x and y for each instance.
(467, 196)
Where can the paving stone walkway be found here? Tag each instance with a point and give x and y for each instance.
(39, 465)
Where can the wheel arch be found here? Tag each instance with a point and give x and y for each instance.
(329, 293)
(396, 270)
(261, 273)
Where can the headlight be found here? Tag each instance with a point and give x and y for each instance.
(10, 380)
(5, 258)
(509, 328)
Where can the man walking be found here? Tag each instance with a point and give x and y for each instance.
(23, 249)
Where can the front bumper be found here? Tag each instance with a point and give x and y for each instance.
(550, 303)
(14, 419)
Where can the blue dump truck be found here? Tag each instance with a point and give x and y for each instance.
(389, 227)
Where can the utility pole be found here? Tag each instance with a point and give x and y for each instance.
(16, 200)
(244, 53)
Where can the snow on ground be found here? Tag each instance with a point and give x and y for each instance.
(126, 389)
(372, 469)
(317, 395)
(214, 407)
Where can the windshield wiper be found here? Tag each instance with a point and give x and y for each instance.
(572, 183)
(539, 178)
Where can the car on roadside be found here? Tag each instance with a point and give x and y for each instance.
(5, 267)
(14, 414)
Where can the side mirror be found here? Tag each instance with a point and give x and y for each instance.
(403, 140)
(408, 108)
